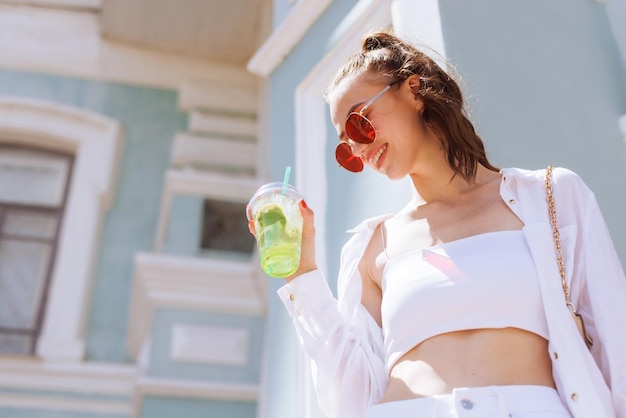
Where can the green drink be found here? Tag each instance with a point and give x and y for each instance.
(278, 226)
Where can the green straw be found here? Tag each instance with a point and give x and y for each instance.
(286, 179)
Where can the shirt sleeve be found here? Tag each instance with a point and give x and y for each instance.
(347, 367)
(603, 305)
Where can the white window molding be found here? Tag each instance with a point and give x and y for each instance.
(227, 346)
(204, 184)
(69, 42)
(96, 142)
(286, 36)
(104, 388)
(190, 150)
(311, 137)
(209, 285)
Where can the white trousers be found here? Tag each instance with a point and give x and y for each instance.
(525, 401)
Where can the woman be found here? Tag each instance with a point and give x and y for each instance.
(454, 306)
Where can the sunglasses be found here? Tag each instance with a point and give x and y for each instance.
(358, 129)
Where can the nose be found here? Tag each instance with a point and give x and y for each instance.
(357, 148)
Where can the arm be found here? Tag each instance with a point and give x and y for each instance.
(346, 355)
(604, 302)
(343, 342)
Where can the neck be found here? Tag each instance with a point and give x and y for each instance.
(440, 184)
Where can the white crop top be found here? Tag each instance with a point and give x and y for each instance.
(484, 281)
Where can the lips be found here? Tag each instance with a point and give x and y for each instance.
(373, 160)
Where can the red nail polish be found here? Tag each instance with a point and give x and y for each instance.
(303, 203)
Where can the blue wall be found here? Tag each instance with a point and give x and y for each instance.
(161, 364)
(150, 119)
(40, 413)
(546, 86)
(194, 408)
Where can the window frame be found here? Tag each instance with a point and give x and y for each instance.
(96, 142)
(59, 211)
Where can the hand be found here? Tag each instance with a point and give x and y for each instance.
(307, 257)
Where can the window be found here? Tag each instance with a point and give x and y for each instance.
(224, 227)
(33, 192)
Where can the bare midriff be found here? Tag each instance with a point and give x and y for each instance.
(472, 358)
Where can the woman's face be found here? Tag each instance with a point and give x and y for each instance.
(395, 115)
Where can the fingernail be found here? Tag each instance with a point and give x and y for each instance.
(303, 203)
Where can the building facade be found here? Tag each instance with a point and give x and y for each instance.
(133, 132)
(128, 150)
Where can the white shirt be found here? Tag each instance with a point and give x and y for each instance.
(345, 344)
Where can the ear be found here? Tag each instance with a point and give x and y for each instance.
(414, 84)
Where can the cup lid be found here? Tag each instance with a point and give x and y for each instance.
(269, 189)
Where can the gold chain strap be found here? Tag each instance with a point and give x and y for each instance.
(557, 236)
(578, 319)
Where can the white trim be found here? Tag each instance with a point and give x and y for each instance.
(419, 21)
(240, 98)
(238, 126)
(50, 403)
(194, 389)
(286, 36)
(72, 4)
(201, 184)
(81, 378)
(189, 149)
(228, 346)
(163, 281)
(311, 137)
(96, 142)
(69, 43)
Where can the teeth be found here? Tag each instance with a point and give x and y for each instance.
(375, 157)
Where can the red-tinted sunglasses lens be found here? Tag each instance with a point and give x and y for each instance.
(347, 159)
(359, 129)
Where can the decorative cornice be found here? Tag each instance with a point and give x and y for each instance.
(195, 389)
(68, 42)
(286, 36)
(165, 281)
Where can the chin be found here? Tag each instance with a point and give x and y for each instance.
(394, 176)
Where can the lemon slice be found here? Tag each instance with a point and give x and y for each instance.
(270, 214)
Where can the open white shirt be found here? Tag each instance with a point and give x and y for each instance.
(345, 344)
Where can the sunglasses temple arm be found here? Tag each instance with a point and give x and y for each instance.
(373, 99)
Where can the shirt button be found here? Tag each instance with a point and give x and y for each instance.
(467, 404)
(512, 201)
(556, 355)
(574, 396)
(292, 297)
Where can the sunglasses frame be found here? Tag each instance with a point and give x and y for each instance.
(351, 162)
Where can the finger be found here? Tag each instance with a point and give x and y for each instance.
(251, 227)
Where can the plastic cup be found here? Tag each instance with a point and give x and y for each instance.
(278, 224)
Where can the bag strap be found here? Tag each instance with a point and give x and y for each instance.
(557, 237)
(559, 258)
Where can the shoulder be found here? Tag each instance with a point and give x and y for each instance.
(562, 178)
(370, 224)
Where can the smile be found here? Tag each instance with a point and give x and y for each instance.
(373, 160)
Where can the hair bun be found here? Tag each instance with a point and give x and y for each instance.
(376, 41)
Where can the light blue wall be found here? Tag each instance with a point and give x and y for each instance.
(192, 408)
(40, 413)
(161, 364)
(281, 9)
(185, 226)
(546, 86)
(150, 119)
